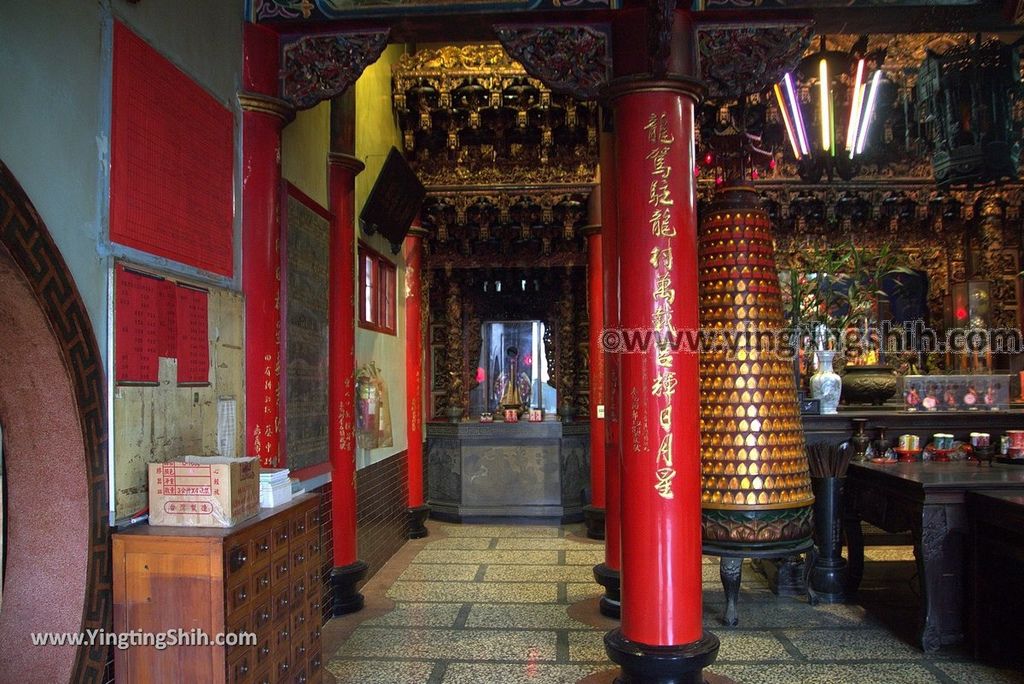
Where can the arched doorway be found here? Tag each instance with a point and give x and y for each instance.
(53, 413)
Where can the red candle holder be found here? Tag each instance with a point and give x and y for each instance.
(908, 455)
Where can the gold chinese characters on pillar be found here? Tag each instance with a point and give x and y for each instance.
(755, 479)
(660, 206)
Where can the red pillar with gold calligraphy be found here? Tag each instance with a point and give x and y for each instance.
(594, 512)
(418, 510)
(263, 116)
(348, 569)
(661, 638)
(607, 573)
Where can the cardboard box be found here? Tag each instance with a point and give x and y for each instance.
(204, 491)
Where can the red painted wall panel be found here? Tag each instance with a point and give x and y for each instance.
(171, 161)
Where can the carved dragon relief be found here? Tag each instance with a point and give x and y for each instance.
(570, 59)
(317, 67)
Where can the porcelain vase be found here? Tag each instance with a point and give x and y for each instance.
(826, 385)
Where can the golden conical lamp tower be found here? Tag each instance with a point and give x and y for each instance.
(756, 487)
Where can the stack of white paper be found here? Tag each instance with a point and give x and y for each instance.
(275, 487)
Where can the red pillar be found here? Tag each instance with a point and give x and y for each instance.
(607, 573)
(348, 569)
(594, 513)
(661, 638)
(414, 376)
(263, 116)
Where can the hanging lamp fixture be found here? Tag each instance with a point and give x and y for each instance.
(828, 107)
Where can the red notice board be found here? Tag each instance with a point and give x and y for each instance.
(137, 320)
(193, 337)
(171, 161)
(157, 318)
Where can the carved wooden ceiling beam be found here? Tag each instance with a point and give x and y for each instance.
(571, 59)
(318, 67)
(473, 115)
(741, 58)
(499, 225)
(891, 203)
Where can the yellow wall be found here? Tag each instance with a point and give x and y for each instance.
(305, 143)
(376, 126)
(376, 131)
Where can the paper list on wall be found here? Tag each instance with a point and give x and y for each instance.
(226, 422)
(193, 336)
(137, 336)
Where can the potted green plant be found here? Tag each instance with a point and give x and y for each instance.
(841, 293)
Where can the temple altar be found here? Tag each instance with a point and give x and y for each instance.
(507, 470)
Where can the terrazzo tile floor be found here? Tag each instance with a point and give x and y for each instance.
(482, 604)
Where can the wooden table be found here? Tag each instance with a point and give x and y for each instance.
(928, 500)
(994, 574)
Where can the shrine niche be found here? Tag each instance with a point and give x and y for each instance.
(465, 303)
(509, 165)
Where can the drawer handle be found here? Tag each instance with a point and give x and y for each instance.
(301, 619)
(264, 581)
(301, 650)
(265, 650)
(238, 559)
(314, 663)
(264, 616)
(283, 635)
(300, 558)
(300, 589)
(242, 595)
(282, 569)
(300, 528)
(263, 547)
(316, 548)
(283, 537)
(284, 666)
(242, 669)
(283, 602)
(302, 679)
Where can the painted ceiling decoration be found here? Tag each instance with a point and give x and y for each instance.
(276, 11)
(318, 67)
(817, 4)
(570, 59)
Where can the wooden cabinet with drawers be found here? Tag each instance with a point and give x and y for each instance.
(260, 577)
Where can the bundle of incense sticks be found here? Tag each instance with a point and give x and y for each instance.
(829, 460)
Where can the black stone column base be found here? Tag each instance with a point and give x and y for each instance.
(344, 579)
(828, 579)
(611, 602)
(593, 518)
(644, 664)
(417, 519)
